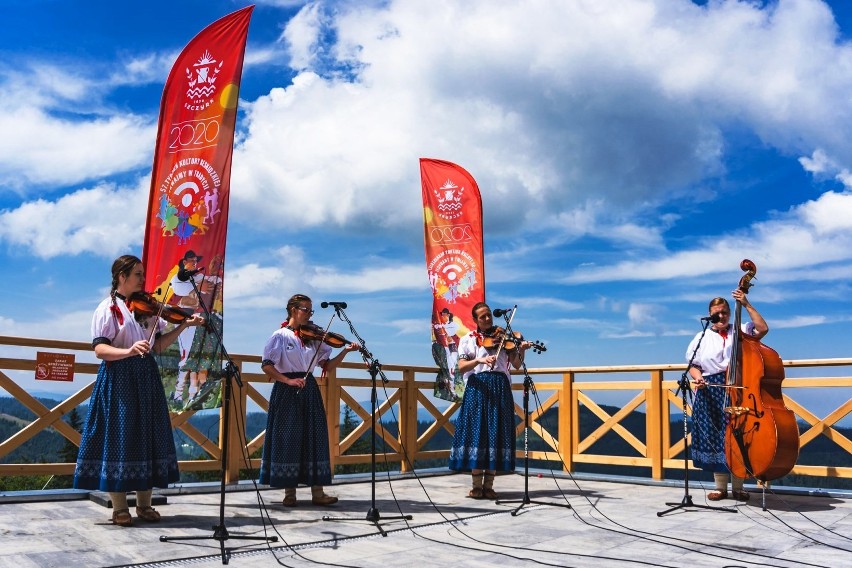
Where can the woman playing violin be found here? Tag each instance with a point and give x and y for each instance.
(484, 441)
(708, 411)
(296, 447)
(127, 442)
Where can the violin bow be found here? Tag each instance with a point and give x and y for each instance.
(321, 341)
(503, 339)
(154, 325)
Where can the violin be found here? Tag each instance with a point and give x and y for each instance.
(312, 332)
(511, 342)
(143, 304)
(761, 437)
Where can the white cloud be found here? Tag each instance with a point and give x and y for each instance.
(642, 316)
(104, 220)
(372, 279)
(256, 285)
(813, 233)
(59, 133)
(301, 36)
(253, 285)
(625, 104)
(67, 325)
(800, 321)
(418, 326)
(571, 115)
(43, 149)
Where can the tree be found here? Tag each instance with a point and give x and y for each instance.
(68, 453)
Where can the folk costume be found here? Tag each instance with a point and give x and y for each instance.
(485, 428)
(127, 442)
(709, 420)
(296, 446)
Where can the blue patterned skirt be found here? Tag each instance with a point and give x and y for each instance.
(708, 426)
(295, 449)
(485, 427)
(127, 442)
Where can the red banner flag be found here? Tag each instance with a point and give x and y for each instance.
(452, 214)
(184, 249)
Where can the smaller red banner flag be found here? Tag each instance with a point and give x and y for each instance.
(452, 213)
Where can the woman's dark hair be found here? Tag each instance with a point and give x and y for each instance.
(476, 306)
(295, 300)
(122, 265)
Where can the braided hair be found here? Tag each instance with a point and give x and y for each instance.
(122, 265)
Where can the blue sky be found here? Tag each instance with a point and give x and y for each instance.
(630, 153)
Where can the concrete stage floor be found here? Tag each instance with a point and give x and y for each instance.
(610, 523)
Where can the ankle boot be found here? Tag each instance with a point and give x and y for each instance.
(476, 490)
(318, 496)
(488, 486)
(289, 497)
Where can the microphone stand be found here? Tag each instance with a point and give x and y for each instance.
(220, 531)
(375, 369)
(685, 391)
(529, 386)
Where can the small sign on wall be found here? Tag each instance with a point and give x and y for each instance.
(54, 366)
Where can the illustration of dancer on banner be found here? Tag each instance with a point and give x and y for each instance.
(201, 351)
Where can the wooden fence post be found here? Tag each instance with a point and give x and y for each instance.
(654, 425)
(408, 421)
(568, 422)
(236, 416)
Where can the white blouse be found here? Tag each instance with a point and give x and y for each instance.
(714, 354)
(289, 354)
(120, 327)
(468, 347)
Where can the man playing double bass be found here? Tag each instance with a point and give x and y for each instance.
(709, 367)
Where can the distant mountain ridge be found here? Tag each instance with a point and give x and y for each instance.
(47, 445)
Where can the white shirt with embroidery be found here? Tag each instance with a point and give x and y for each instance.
(468, 346)
(115, 321)
(289, 354)
(714, 354)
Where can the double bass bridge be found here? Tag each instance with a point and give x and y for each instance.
(737, 410)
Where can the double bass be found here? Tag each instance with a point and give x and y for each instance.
(761, 437)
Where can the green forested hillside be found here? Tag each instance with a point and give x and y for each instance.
(49, 446)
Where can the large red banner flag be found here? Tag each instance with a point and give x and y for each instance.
(452, 214)
(190, 188)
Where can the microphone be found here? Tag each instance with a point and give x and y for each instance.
(184, 275)
(498, 313)
(715, 318)
(341, 305)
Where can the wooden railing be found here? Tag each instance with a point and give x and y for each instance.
(648, 392)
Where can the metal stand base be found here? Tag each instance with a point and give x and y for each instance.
(687, 502)
(685, 390)
(220, 532)
(373, 515)
(528, 385)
